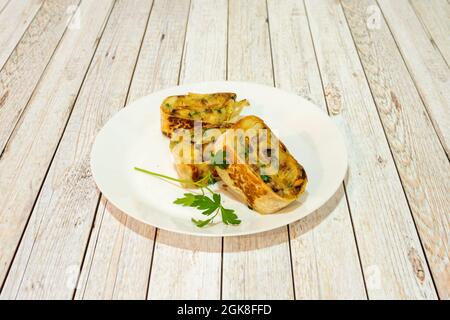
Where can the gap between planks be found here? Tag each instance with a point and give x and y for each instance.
(24, 127)
(158, 66)
(43, 96)
(420, 163)
(395, 233)
(128, 47)
(424, 61)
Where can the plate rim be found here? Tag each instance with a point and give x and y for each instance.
(307, 103)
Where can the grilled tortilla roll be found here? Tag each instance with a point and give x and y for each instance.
(192, 154)
(213, 110)
(254, 174)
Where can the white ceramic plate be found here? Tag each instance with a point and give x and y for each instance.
(133, 138)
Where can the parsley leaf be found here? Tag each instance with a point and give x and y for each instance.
(201, 223)
(220, 160)
(208, 205)
(204, 203)
(187, 201)
(201, 202)
(216, 198)
(229, 217)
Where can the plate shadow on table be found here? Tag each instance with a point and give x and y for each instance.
(178, 240)
(236, 243)
(142, 229)
(279, 236)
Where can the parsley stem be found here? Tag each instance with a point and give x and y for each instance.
(212, 192)
(199, 183)
(160, 175)
(201, 202)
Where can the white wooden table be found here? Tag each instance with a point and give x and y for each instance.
(380, 68)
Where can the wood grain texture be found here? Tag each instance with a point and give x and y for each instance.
(420, 159)
(249, 53)
(3, 4)
(428, 68)
(383, 74)
(32, 145)
(435, 17)
(256, 266)
(205, 47)
(391, 255)
(120, 269)
(188, 267)
(14, 20)
(22, 71)
(118, 258)
(51, 253)
(324, 254)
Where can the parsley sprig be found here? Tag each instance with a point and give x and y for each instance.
(210, 206)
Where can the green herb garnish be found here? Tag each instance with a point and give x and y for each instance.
(265, 178)
(247, 151)
(210, 206)
(219, 159)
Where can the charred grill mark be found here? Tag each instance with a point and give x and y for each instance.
(246, 183)
(303, 173)
(180, 123)
(214, 173)
(268, 152)
(195, 173)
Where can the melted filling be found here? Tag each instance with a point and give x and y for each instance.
(288, 179)
(213, 108)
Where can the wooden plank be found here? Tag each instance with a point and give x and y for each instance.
(22, 71)
(256, 266)
(3, 4)
(391, 255)
(425, 63)
(435, 17)
(322, 242)
(249, 44)
(118, 257)
(188, 267)
(30, 150)
(14, 20)
(420, 159)
(205, 48)
(159, 62)
(52, 250)
(120, 251)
